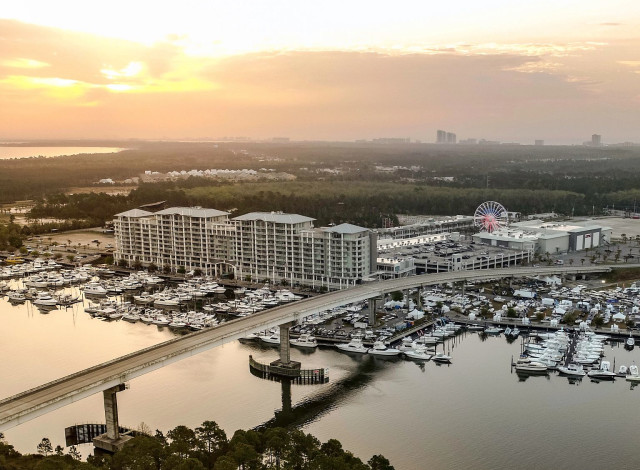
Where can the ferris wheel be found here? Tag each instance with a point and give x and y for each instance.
(490, 216)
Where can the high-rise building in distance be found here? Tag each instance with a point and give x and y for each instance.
(596, 140)
(451, 138)
(539, 142)
(441, 137)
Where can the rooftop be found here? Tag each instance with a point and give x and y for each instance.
(345, 228)
(134, 213)
(277, 217)
(192, 212)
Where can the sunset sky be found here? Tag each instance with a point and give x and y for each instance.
(496, 69)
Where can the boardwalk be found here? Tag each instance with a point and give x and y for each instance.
(40, 400)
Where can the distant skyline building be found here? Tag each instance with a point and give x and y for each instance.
(539, 142)
(596, 140)
(445, 137)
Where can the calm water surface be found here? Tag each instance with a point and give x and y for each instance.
(472, 414)
(24, 152)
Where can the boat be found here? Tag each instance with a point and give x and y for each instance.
(441, 358)
(304, 341)
(355, 346)
(524, 364)
(475, 327)
(630, 343)
(572, 370)
(417, 354)
(16, 297)
(271, 339)
(93, 288)
(633, 376)
(603, 372)
(381, 349)
(493, 330)
(45, 299)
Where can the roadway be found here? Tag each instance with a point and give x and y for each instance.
(50, 396)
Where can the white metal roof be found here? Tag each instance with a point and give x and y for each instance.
(192, 212)
(277, 217)
(345, 228)
(134, 213)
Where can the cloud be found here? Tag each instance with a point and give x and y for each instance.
(90, 86)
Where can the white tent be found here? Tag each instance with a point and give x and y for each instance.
(619, 316)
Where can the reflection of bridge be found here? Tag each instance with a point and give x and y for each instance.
(110, 376)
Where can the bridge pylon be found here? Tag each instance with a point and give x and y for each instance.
(112, 440)
(285, 349)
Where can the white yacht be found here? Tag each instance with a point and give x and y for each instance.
(633, 376)
(527, 365)
(493, 330)
(271, 339)
(418, 354)
(630, 343)
(442, 358)
(603, 372)
(94, 288)
(572, 370)
(16, 296)
(45, 299)
(355, 346)
(381, 349)
(304, 341)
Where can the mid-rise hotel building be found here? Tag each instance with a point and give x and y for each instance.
(258, 246)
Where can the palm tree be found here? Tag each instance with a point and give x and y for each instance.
(582, 261)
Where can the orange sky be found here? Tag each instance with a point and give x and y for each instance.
(558, 71)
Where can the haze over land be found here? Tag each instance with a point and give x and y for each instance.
(496, 69)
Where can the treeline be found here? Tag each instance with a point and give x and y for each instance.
(205, 447)
(11, 236)
(328, 202)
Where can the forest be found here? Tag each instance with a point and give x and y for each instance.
(335, 182)
(204, 448)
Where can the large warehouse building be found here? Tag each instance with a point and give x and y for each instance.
(548, 237)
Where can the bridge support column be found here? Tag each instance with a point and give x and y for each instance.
(372, 312)
(112, 440)
(406, 296)
(285, 349)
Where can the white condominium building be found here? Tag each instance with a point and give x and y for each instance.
(258, 246)
(188, 237)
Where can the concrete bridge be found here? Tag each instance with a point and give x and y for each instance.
(110, 377)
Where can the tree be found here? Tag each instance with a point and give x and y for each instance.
(74, 453)
(166, 269)
(197, 272)
(582, 260)
(59, 450)
(397, 296)
(379, 462)
(511, 313)
(598, 320)
(571, 261)
(183, 441)
(45, 447)
(152, 267)
(211, 440)
(181, 270)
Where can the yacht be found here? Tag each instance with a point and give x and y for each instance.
(381, 349)
(271, 339)
(633, 376)
(93, 288)
(630, 343)
(493, 330)
(529, 366)
(418, 354)
(45, 299)
(476, 327)
(15, 296)
(603, 372)
(304, 341)
(355, 346)
(442, 358)
(572, 370)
